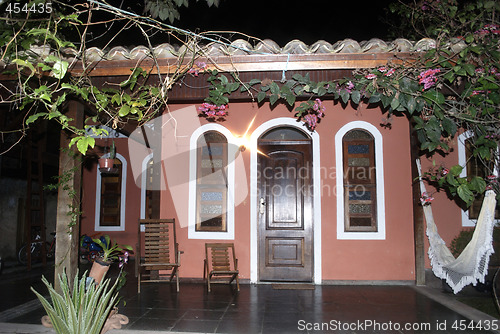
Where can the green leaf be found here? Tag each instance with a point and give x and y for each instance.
(273, 99)
(117, 99)
(298, 90)
(254, 82)
(290, 99)
(82, 144)
(411, 104)
(434, 96)
(24, 63)
(275, 89)
(59, 69)
(456, 170)
(465, 194)
(375, 98)
(124, 111)
(478, 184)
(356, 96)
(344, 95)
(34, 117)
(469, 68)
(459, 70)
(394, 103)
(450, 76)
(231, 87)
(449, 126)
(223, 79)
(261, 96)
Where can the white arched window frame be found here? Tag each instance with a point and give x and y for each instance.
(193, 157)
(123, 195)
(462, 161)
(144, 176)
(379, 170)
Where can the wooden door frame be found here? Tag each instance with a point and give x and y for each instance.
(254, 219)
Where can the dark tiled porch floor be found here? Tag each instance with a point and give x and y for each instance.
(255, 309)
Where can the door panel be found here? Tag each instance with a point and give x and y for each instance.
(284, 251)
(285, 211)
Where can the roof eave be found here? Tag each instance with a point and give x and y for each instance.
(246, 63)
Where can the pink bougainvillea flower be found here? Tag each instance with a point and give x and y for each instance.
(212, 111)
(197, 68)
(382, 69)
(370, 76)
(318, 107)
(349, 86)
(311, 121)
(428, 78)
(390, 72)
(426, 199)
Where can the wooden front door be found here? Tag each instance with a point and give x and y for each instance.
(285, 206)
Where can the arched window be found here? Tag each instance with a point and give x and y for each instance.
(473, 166)
(360, 182)
(360, 187)
(110, 197)
(211, 182)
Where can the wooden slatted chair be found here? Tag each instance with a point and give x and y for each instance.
(218, 268)
(158, 255)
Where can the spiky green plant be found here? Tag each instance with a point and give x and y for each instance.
(83, 310)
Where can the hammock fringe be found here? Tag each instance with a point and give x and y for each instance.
(472, 264)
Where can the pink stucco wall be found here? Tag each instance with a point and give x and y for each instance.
(389, 259)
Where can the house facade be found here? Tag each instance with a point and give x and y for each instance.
(332, 205)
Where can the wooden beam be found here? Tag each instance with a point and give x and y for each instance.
(67, 241)
(418, 214)
(246, 63)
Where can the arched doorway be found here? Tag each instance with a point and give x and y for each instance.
(285, 205)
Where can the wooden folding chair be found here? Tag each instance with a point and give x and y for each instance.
(158, 255)
(218, 268)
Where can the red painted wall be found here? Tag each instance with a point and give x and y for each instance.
(133, 196)
(389, 259)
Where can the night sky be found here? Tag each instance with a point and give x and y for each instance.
(283, 21)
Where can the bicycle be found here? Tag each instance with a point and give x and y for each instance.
(36, 250)
(89, 250)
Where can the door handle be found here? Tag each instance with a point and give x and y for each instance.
(262, 206)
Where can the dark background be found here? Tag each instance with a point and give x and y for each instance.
(283, 21)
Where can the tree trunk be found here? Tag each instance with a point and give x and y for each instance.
(66, 257)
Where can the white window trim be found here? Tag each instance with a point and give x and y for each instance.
(144, 176)
(379, 167)
(462, 161)
(291, 122)
(231, 152)
(122, 200)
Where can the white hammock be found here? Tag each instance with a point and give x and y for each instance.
(471, 265)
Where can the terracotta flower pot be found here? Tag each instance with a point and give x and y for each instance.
(99, 270)
(106, 163)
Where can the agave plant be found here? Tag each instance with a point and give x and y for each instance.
(82, 310)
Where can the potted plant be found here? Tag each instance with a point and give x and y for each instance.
(82, 308)
(110, 253)
(106, 162)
